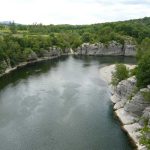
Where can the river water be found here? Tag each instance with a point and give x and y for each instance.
(60, 104)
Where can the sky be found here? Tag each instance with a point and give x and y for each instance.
(72, 11)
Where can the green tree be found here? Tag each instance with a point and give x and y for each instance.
(143, 71)
(143, 48)
(121, 72)
(86, 37)
(13, 28)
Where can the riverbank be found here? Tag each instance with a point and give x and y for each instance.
(9, 70)
(129, 121)
(106, 72)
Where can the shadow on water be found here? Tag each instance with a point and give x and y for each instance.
(25, 72)
(107, 59)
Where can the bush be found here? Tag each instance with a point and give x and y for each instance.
(133, 72)
(144, 140)
(143, 71)
(143, 48)
(146, 95)
(121, 73)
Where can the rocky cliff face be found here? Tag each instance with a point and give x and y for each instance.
(52, 51)
(133, 109)
(112, 48)
(123, 91)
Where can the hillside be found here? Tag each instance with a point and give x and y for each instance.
(19, 42)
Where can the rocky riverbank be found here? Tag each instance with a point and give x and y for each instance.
(10, 69)
(51, 53)
(129, 105)
(112, 48)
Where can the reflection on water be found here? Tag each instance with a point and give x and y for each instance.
(59, 104)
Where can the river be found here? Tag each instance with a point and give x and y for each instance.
(60, 104)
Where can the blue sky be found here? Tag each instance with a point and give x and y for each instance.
(72, 11)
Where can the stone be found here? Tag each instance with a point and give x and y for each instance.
(120, 104)
(125, 88)
(129, 49)
(125, 117)
(115, 98)
(137, 104)
(112, 48)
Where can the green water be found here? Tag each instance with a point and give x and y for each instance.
(61, 104)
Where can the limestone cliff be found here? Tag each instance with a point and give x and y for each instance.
(132, 108)
(112, 48)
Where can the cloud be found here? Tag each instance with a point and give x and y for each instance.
(72, 11)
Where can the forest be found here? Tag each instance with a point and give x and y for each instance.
(17, 41)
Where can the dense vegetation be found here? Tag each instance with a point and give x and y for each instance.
(18, 41)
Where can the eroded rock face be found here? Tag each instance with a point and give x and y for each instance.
(52, 51)
(129, 49)
(112, 48)
(126, 87)
(134, 112)
(137, 104)
(122, 92)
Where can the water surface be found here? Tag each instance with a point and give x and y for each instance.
(60, 104)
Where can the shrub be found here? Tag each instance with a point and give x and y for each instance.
(146, 95)
(144, 138)
(133, 71)
(121, 73)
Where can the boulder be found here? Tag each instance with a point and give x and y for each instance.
(120, 104)
(137, 104)
(125, 88)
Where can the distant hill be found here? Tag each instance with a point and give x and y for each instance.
(5, 22)
(8, 22)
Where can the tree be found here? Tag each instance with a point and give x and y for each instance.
(13, 27)
(143, 71)
(86, 37)
(143, 48)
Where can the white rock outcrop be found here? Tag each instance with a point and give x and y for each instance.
(130, 106)
(112, 48)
